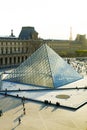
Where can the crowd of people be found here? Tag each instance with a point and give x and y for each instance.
(79, 65)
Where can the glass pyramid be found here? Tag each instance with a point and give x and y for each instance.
(44, 68)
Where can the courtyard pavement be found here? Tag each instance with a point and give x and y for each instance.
(41, 116)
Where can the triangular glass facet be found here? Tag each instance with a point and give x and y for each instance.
(44, 68)
(62, 72)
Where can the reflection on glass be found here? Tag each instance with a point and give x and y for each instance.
(44, 68)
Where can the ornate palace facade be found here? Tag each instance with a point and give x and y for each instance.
(14, 50)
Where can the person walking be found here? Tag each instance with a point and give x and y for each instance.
(23, 104)
(1, 113)
(24, 111)
(19, 120)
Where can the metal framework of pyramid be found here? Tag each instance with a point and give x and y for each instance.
(44, 68)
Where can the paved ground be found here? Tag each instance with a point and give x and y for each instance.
(77, 94)
(40, 117)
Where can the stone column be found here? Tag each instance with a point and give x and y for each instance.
(20, 59)
(16, 60)
(12, 60)
(3, 60)
(24, 58)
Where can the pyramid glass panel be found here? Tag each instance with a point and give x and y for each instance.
(35, 70)
(44, 68)
(62, 72)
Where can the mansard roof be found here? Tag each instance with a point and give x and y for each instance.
(26, 33)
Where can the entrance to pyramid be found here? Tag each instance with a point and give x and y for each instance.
(44, 68)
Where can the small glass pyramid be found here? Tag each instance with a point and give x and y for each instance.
(44, 68)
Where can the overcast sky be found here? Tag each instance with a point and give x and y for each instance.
(51, 18)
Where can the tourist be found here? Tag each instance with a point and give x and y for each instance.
(1, 113)
(24, 111)
(19, 120)
(23, 104)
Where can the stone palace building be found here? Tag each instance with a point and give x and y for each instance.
(14, 50)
